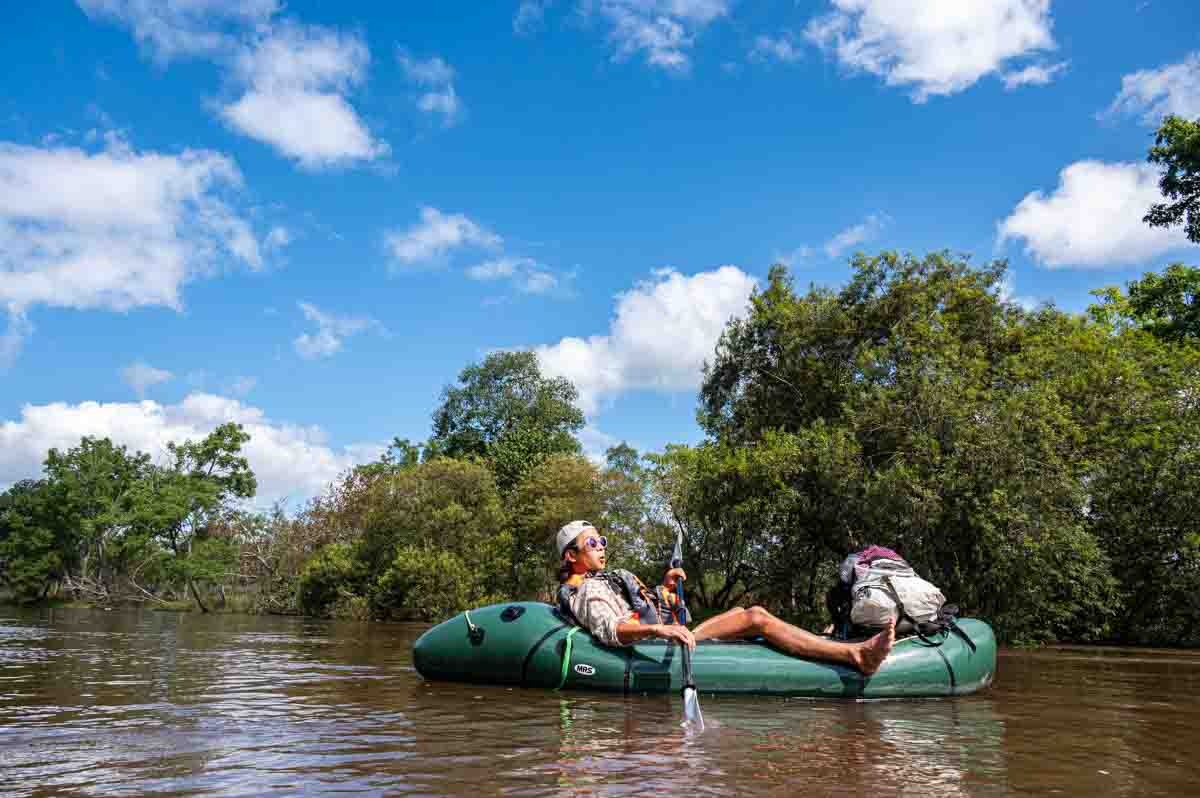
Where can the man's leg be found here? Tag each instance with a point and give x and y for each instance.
(703, 631)
(865, 656)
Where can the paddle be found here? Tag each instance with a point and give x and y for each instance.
(692, 716)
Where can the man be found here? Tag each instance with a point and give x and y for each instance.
(606, 611)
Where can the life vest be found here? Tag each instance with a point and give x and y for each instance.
(649, 606)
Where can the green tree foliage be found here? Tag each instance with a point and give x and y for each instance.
(106, 525)
(395, 522)
(332, 574)
(1177, 149)
(997, 449)
(182, 501)
(559, 488)
(99, 535)
(32, 557)
(504, 411)
(1167, 305)
(635, 514)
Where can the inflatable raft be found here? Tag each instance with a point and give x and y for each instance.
(531, 645)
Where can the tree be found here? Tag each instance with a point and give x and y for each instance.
(916, 409)
(181, 501)
(1177, 148)
(559, 488)
(504, 411)
(95, 484)
(32, 554)
(1167, 305)
(635, 514)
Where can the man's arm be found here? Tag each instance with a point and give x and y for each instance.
(628, 633)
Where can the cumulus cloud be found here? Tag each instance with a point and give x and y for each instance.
(1155, 93)
(530, 16)
(294, 78)
(114, 229)
(781, 48)
(1033, 75)
(662, 332)
(1093, 219)
(173, 28)
(1008, 293)
(18, 329)
(937, 47)
(436, 235)
(596, 443)
(140, 375)
(866, 230)
(297, 77)
(240, 386)
(661, 31)
(526, 274)
(278, 238)
(437, 78)
(290, 461)
(331, 332)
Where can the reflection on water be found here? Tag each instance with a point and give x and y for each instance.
(124, 703)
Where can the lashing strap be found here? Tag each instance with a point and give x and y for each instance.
(566, 666)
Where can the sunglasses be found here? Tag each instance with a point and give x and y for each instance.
(592, 543)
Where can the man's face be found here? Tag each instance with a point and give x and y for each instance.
(590, 552)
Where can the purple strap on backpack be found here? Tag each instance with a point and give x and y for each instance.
(872, 553)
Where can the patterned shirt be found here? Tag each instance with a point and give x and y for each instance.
(600, 609)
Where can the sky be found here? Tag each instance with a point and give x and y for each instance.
(309, 217)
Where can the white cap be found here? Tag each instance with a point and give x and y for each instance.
(567, 535)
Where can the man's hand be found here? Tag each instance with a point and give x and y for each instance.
(670, 577)
(674, 631)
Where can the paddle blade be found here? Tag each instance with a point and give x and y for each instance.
(693, 718)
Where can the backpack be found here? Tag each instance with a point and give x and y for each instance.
(876, 585)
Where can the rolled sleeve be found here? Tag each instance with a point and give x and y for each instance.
(600, 610)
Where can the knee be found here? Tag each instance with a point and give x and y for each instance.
(759, 617)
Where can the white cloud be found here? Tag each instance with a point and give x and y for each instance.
(790, 259)
(437, 77)
(331, 332)
(866, 230)
(278, 238)
(114, 229)
(781, 48)
(140, 375)
(436, 235)
(17, 330)
(290, 461)
(240, 386)
(1033, 75)
(173, 28)
(663, 331)
(596, 443)
(1172, 89)
(1008, 293)
(296, 78)
(1093, 218)
(530, 16)
(938, 47)
(660, 30)
(529, 276)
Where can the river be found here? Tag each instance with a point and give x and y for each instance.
(157, 704)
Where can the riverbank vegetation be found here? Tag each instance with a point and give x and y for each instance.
(1043, 467)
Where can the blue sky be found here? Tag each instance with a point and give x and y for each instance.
(309, 216)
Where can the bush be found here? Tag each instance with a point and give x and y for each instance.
(329, 576)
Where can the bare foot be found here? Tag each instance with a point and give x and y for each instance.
(870, 654)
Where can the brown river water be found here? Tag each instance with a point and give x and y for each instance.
(157, 704)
